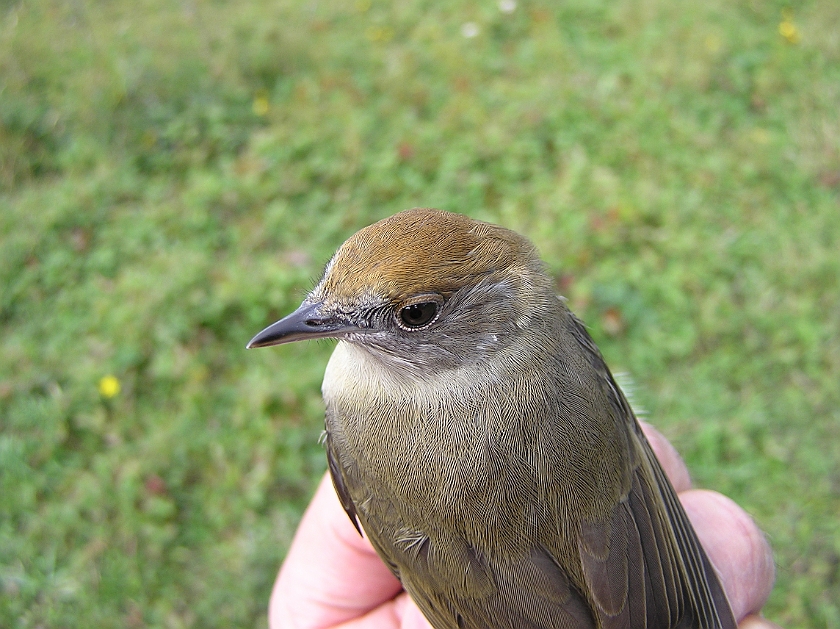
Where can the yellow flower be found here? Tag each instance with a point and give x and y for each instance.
(260, 105)
(380, 33)
(760, 136)
(713, 43)
(109, 386)
(787, 28)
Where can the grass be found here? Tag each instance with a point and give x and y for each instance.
(174, 176)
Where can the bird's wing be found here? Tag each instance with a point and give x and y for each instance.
(337, 476)
(643, 564)
(523, 592)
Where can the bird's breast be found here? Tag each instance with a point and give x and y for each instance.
(484, 447)
(421, 450)
(425, 440)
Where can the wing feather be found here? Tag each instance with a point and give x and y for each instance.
(684, 589)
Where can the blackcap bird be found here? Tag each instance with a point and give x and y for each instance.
(475, 433)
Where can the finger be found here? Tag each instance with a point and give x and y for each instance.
(410, 617)
(668, 457)
(331, 574)
(736, 547)
(757, 622)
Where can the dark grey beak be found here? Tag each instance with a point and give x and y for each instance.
(307, 322)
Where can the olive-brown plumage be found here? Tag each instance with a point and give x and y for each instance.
(476, 435)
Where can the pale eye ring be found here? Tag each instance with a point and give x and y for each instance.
(419, 313)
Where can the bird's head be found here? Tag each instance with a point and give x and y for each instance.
(424, 287)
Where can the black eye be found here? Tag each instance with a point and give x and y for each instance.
(415, 316)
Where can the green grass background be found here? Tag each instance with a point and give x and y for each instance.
(174, 175)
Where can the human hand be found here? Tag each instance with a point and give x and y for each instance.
(333, 579)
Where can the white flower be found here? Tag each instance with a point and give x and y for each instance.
(469, 30)
(507, 6)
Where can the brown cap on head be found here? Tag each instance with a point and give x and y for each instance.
(422, 250)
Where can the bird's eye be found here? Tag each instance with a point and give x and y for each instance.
(416, 316)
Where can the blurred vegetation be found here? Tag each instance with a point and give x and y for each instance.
(173, 176)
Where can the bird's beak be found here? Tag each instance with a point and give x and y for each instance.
(307, 322)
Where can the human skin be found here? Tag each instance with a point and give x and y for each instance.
(333, 579)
